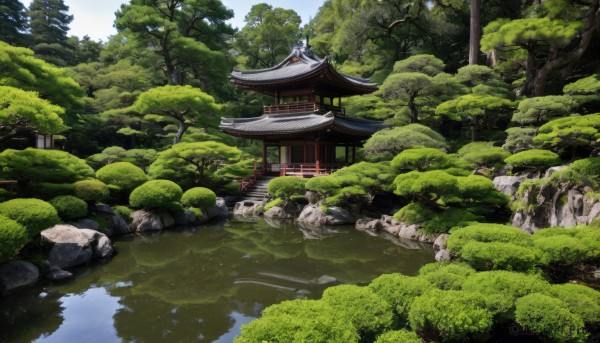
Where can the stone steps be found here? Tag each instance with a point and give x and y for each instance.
(258, 190)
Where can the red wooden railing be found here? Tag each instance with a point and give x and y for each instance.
(249, 180)
(309, 169)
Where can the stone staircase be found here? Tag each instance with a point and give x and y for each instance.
(258, 190)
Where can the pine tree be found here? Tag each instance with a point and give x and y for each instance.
(13, 22)
(49, 22)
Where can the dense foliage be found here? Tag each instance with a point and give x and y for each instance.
(124, 176)
(199, 197)
(155, 194)
(13, 237)
(69, 207)
(34, 214)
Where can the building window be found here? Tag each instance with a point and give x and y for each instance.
(44, 141)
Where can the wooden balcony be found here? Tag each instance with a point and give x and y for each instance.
(304, 169)
(302, 107)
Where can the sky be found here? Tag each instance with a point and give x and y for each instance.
(95, 18)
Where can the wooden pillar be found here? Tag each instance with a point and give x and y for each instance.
(264, 158)
(346, 153)
(305, 151)
(317, 155)
(353, 152)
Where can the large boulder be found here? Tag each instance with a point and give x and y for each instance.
(313, 215)
(249, 208)
(185, 217)
(289, 210)
(143, 221)
(17, 274)
(395, 228)
(218, 210)
(117, 225)
(508, 184)
(69, 246)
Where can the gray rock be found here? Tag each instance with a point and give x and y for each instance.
(85, 223)
(508, 184)
(288, 211)
(443, 255)
(70, 246)
(118, 225)
(219, 210)
(58, 274)
(369, 224)
(312, 197)
(249, 208)
(413, 232)
(167, 219)
(185, 218)
(325, 279)
(102, 208)
(17, 274)
(143, 221)
(553, 170)
(440, 242)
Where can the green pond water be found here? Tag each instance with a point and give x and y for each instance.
(200, 284)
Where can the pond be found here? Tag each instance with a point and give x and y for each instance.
(200, 284)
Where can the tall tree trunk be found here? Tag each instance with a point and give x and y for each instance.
(180, 131)
(475, 33)
(414, 113)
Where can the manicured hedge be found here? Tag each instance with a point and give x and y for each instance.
(286, 186)
(399, 336)
(69, 207)
(34, 214)
(126, 176)
(13, 236)
(199, 197)
(446, 275)
(92, 190)
(534, 159)
(399, 290)
(155, 194)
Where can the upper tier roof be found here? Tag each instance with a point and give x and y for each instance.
(301, 69)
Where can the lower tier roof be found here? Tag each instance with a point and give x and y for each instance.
(299, 123)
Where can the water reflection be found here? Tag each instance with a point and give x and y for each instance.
(200, 284)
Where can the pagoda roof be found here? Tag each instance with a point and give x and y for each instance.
(299, 123)
(301, 69)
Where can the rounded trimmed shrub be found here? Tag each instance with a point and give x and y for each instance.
(544, 315)
(369, 313)
(298, 321)
(421, 159)
(286, 186)
(499, 255)
(534, 159)
(399, 336)
(399, 290)
(501, 288)
(154, 194)
(92, 190)
(459, 237)
(69, 207)
(581, 300)
(199, 197)
(567, 245)
(13, 236)
(446, 275)
(126, 176)
(34, 214)
(450, 315)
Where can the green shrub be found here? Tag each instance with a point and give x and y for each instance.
(399, 290)
(421, 159)
(399, 336)
(197, 212)
(199, 197)
(286, 186)
(69, 207)
(483, 154)
(519, 139)
(502, 288)
(533, 159)
(124, 211)
(13, 236)
(499, 255)
(435, 221)
(298, 321)
(126, 176)
(581, 300)
(51, 190)
(450, 315)
(544, 315)
(387, 143)
(568, 245)
(368, 313)
(273, 203)
(34, 214)
(92, 190)
(155, 194)
(494, 246)
(446, 275)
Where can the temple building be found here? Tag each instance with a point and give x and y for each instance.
(306, 131)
